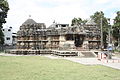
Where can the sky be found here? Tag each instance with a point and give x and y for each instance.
(62, 11)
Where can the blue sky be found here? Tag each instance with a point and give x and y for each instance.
(62, 11)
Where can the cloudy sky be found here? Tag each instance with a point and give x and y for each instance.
(62, 11)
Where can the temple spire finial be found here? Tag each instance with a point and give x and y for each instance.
(54, 21)
(29, 16)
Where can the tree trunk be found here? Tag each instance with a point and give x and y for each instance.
(118, 42)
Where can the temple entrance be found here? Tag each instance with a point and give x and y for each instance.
(78, 40)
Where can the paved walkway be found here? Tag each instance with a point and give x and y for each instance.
(92, 61)
(85, 61)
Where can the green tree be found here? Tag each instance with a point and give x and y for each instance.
(116, 28)
(4, 7)
(77, 21)
(97, 16)
(84, 21)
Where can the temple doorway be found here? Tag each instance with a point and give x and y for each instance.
(78, 40)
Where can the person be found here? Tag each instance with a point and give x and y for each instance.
(110, 52)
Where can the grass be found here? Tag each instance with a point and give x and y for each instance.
(41, 68)
(116, 50)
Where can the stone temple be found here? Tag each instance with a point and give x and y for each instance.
(36, 36)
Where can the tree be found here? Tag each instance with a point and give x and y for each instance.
(4, 7)
(105, 25)
(116, 28)
(84, 21)
(78, 21)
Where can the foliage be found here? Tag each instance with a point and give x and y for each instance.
(41, 68)
(116, 44)
(97, 16)
(1, 37)
(84, 21)
(116, 28)
(115, 32)
(3, 14)
(117, 20)
(78, 21)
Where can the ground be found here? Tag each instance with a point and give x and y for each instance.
(117, 54)
(43, 68)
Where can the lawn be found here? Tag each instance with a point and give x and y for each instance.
(42, 68)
